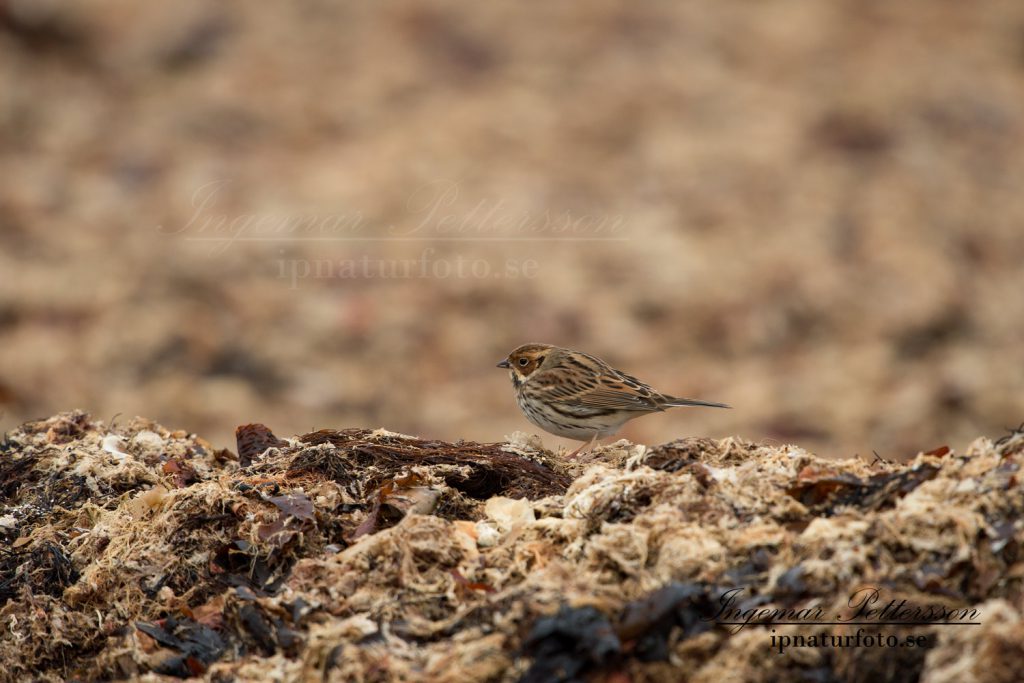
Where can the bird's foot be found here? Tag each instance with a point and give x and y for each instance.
(589, 444)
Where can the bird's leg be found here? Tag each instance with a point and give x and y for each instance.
(586, 445)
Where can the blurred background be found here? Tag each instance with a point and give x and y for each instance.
(321, 214)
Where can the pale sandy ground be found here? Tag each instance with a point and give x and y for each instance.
(815, 210)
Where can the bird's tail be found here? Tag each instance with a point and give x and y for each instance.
(675, 401)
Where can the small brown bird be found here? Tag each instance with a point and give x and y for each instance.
(577, 396)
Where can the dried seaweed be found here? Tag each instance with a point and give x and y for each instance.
(827, 493)
(568, 644)
(367, 555)
(646, 624)
(487, 469)
(673, 456)
(196, 645)
(1011, 443)
(253, 440)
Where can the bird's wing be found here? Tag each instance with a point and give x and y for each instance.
(621, 392)
(600, 388)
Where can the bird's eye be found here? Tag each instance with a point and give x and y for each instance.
(523, 362)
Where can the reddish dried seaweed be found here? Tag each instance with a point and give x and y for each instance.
(492, 471)
(252, 440)
(824, 493)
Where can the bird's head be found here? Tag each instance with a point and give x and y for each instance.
(526, 360)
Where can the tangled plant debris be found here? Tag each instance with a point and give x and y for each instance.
(139, 552)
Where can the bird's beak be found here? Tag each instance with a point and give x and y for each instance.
(504, 364)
